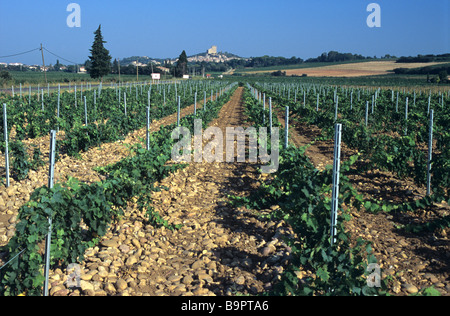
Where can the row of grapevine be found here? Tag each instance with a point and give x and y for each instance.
(390, 132)
(320, 264)
(104, 115)
(81, 213)
(396, 138)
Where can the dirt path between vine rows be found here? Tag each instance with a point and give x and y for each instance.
(411, 261)
(219, 250)
(12, 198)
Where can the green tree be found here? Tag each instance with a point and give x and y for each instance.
(115, 67)
(5, 75)
(57, 66)
(443, 76)
(88, 65)
(100, 58)
(181, 66)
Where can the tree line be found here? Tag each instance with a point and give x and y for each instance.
(424, 58)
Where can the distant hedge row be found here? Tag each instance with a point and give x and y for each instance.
(428, 70)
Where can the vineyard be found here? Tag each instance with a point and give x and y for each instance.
(116, 215)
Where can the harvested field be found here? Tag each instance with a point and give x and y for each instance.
(371, 68)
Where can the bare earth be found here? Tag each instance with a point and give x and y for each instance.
(370, 68)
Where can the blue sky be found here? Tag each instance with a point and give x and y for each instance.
(247, 28)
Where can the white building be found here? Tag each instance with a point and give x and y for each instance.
(212, 50)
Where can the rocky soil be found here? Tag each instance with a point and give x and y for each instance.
(12, 198)
(410, 261)
(221, 249)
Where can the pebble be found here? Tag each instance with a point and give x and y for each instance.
(411, 289)
(121, 285)
(187, 280)
(431, 277)
(197, 264)
(266, 251)
(86, 286)
(175, 278)
(110, 243)
(132, 260)
(203, 275)
(240, 280)
(124, 248)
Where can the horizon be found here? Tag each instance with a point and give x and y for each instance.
(249, 28)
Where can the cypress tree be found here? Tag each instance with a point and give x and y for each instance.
(100, 58)
(181, 66)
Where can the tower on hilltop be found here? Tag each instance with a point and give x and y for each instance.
(212, 50)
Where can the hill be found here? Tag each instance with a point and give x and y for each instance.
(141, 60)
(344, 69)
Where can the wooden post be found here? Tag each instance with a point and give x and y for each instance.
(43, 63)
